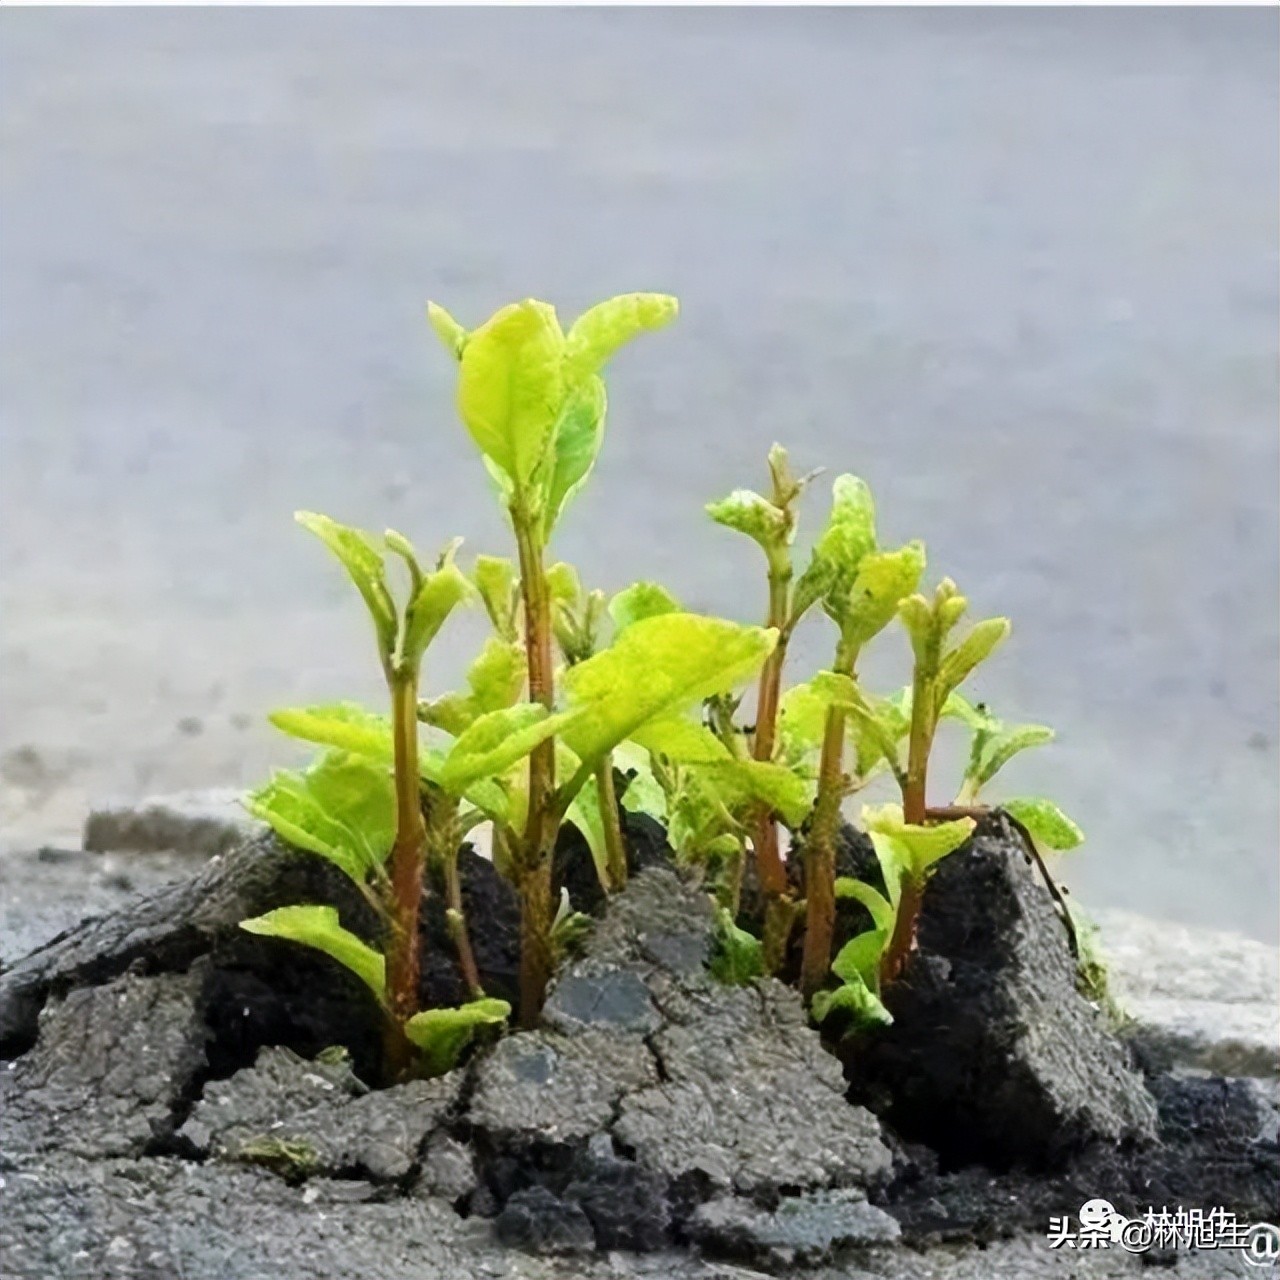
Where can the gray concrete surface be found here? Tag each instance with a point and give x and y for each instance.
(1016, 268)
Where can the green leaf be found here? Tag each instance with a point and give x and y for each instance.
(440, 593)
(976, 647)
(858, 961)
(681, 739)
(511, 386)
(639, 601)
(1047, 823)
(855, 999)
(850, 534)
(361, 556)
(585, 814)
(497, 740)
(757, 517)
(318, 927)
(737, 956)
(495, 680)
(497, 581)
(341, 808)
(883, 579)
(442, 1034)
(563, 583)
(345, 725)
(882, 912)
(448, 330)
(923, 846)
(956, 707)
(1000, 747)
(596, 334)
(656, 667)
(747, 781)
(578, 436)
(643, 793)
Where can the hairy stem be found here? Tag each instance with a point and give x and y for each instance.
(534, 857)
(614, 845)
(820, 858)
(403, 958)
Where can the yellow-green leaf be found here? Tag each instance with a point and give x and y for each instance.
(440, 593)
(1047, 823)
(442, 1034)
(1005, 743)
(596, 334)
(883, 579)
(976, 647)
(639, 601)
(361, 555)
(923, 845)
(578, 436)
(511, 386)
(654, 668)
(319, 927)
(448, 330)
(757, 517)
(495, 741)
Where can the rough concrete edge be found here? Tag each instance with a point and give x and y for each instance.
(206, 822)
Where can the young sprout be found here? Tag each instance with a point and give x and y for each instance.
(347, 810)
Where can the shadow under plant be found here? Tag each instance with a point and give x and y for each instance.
(889, 1035)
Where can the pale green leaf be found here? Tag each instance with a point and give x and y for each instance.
(497, 580)
(563, 583)
(681, 739)
(497, 675)
(639, 601)
(923, 845)
(319, 927)
(1047, 823)
(656, 667)
(440, 593)
(857, 1001)
(1000, 747)
(882, 912)
(361, 556)
(511, 386)
(757, 517)
(496, 741)
(737, 956)
(741, 781)
(578, 436)
(957, 707)
(596, 334)
(850, 534)
(858, 961)
(448, 330)
(442, 1034)
(976, 647)
(345, 725)
(883, 579)
(585, 814)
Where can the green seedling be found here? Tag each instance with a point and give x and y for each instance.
(533, 401)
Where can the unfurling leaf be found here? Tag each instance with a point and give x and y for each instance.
(850, 534)
(442, 1034)
(737, 956)
(596, 334)
(448, 330)
(497, 581)
(511, 386)
(436, 598)
(320, 928)
(757, 517)
(855, 1000)
(875, 902)
(995, 750)
(495, 680)
(361, 556)
(578, 436)
(654, 668)
(639, 601)
(883, 579)
(342, 808)
(563, 583)
(976, 647)
(859, 959)
(1047, 823)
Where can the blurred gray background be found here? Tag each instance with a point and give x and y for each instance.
(1016, 268)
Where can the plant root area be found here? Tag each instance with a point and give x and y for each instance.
(181, 1099)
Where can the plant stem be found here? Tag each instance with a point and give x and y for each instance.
(903, 940)
(820, 858)
(534, 858)
(403, 958)
(770, 871)
(918, 748)
(444, 835)
(614, 844)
